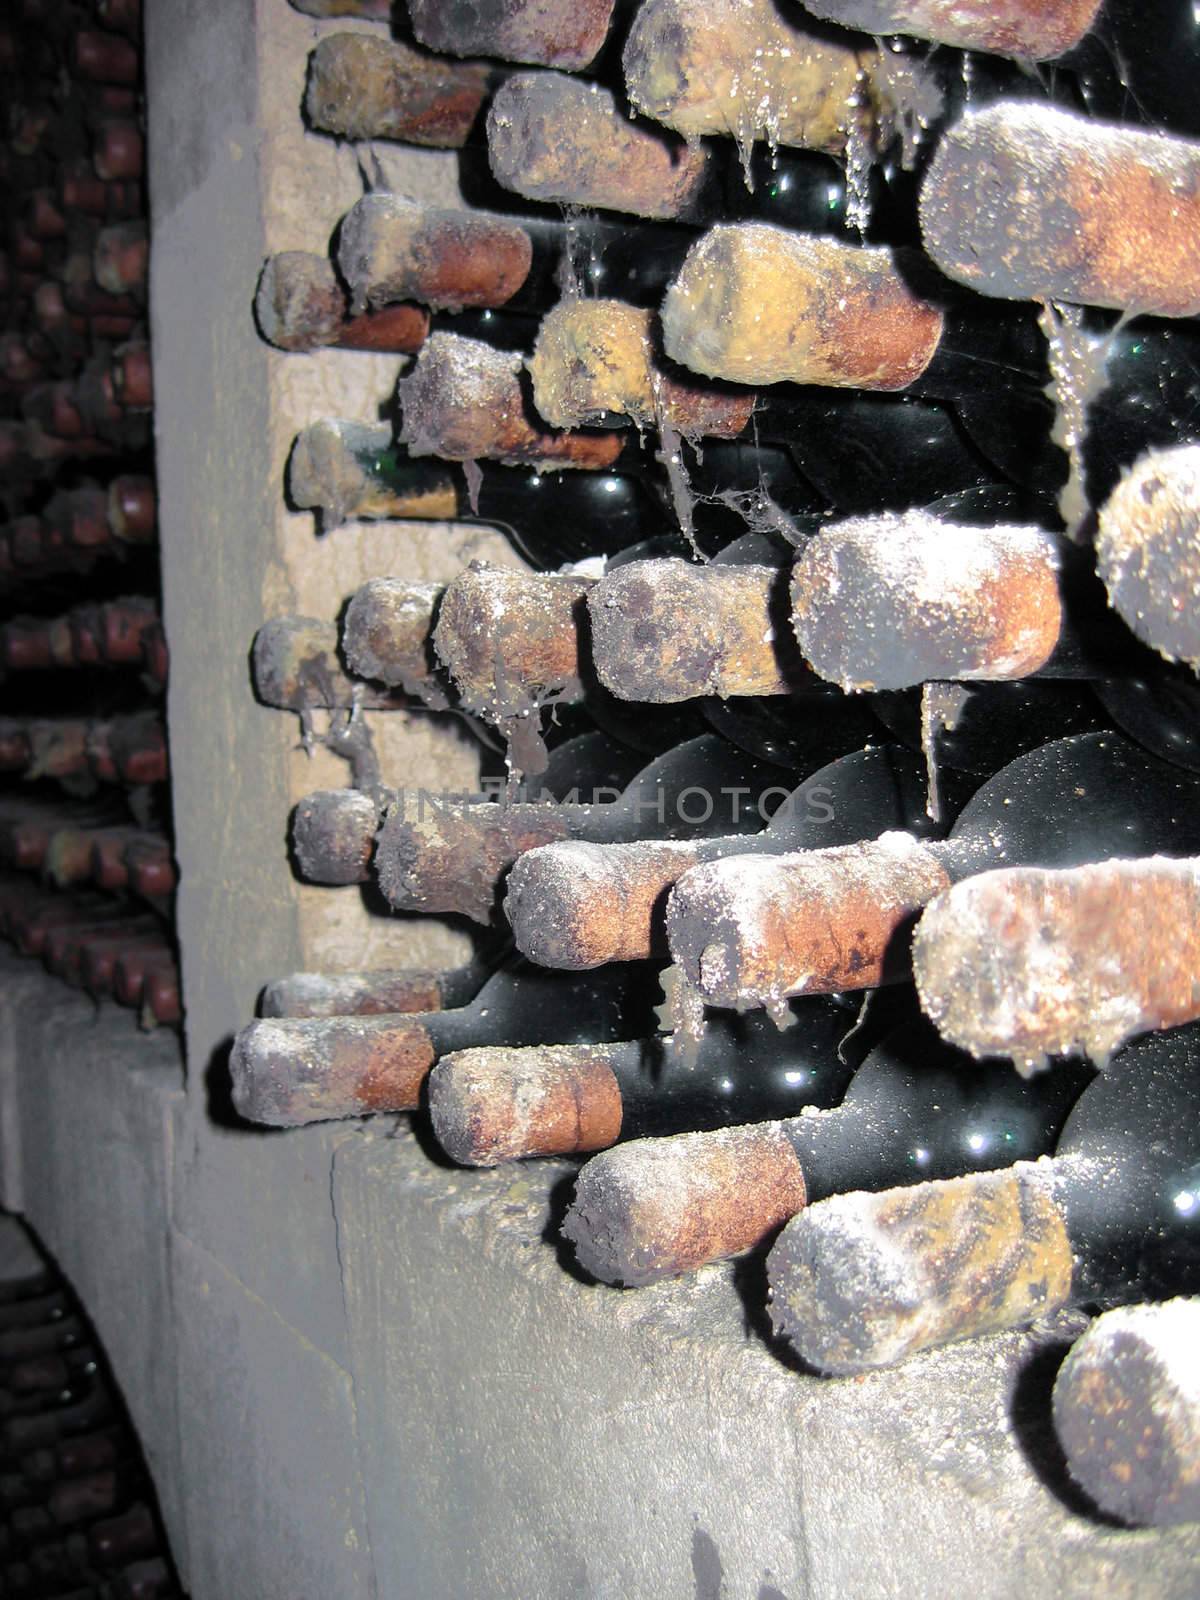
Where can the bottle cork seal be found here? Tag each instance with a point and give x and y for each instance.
(860, 1280)
(133, 378)
(289, 1071)
(576, 905)
(754, 303)
(493, 1105)
(364, 87)
(333, 833)
(118, 151)
(387, 636)
(734, 66)
(1026, 202)
(1017, 28)
(367, 10)
(344, 994)
(1148, 551)
(553, 138)
(299, 303)
(462, 401)
(729, 647)
(750, 931)
(294, 663)
(131, 509)
(544, 33)
(652, 1208)
(390, 248)
(121, 256)
(58, 749)
(597, 358)
(1127, 1413)
(894, 601)
(337, 467)
(510, 639)
(453, 858)
(1028, 963)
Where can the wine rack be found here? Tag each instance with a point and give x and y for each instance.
(88, 868)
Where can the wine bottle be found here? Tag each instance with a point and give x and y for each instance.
(289, 1071)
(596, 362)
(754, 303)
(439, 858)
(1148, 550)
(563, 141)
(299, 305)
(333, 830)
(124, 1538)
(981, 727)
(387, 637)
(391, 249)
(368, 10)
(648, 1209)
(1029, 963)
(704, 68)
(866, 1280)
(876, 603)
(295, 666)
(349, 994)
(1125, 1411)
(567, 34)
(493, 1105)
(586, 899)
(364, 87)
(344, 469)
(1028, 32)
(1025, 201)
(751, 932)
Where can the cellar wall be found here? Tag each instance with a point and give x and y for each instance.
(357, 1372)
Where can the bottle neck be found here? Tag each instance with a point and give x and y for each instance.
(918, 1109)
(1127, 1179)
(746, 1070)
(530, 1005)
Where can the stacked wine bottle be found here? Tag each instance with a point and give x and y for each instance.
(836, 378)
(88, 876)
(78, 1515)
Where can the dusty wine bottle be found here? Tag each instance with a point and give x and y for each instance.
(361, 86)
(1024, 201)
(346, 994)
(1030, 963)
(736, 67)
(299, 305)
(1148, 551)
(454, 858)
(289, 1071)
(1126, 1413)
(567, 34)
(651, 1208)
(1029, 32)
(866, 1280)
(750, 932)
(344, 469)
(597, 362)
(494, 1105)
(580, 903)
